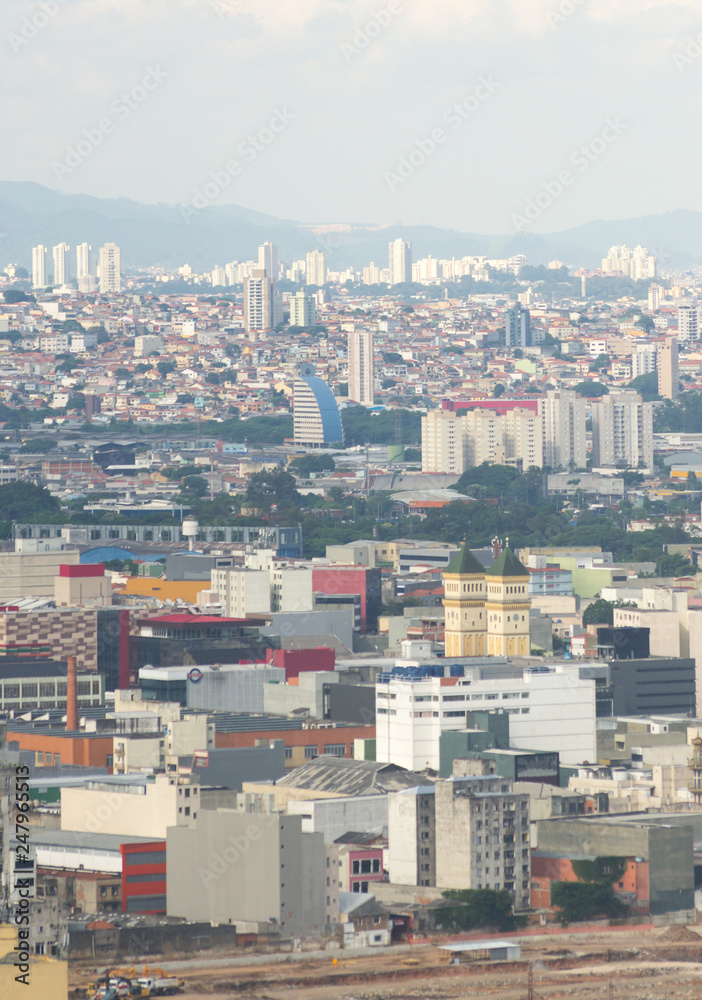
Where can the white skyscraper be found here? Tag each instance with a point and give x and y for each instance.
(39, 260)
(668, 373)
(360, 353)
(622, 431)
(643, 360)
(316, 268)
(399, 261)
(688, 323)
(85, 262)
(637, 263)
(110, 268)
(62, 264)
(563, 422)
(268, 260)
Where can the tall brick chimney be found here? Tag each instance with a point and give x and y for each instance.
(72, 696)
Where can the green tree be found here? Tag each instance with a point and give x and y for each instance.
(22, 501)
(312, 463)
(601, 612)
(194, 486)
(467, 909)
(592, 389)
(268, 489)
(593, 894)
(166, 367)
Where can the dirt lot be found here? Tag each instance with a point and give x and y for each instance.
(663, 964)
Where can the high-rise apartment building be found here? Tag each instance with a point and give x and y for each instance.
(518, 327)
(218, 276)
(85, 267)
(360, 355)
(371, 274)
(39, 260)
(399, 261)
(523, 439)
(688, 324)
(110, 268)
(668, 374)
(637, 263)
(643, 360)
(303, 310)
(654, 297)
(259, 301)
(443, 442)
(62, 264)
(622, 431)
(316, 268)
(563, 416)
(464, 832)
(453, 443)
(268, 259)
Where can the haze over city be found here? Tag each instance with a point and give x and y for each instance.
(361, 88)
(350, 500)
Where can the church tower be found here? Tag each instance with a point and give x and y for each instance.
(464, 603)
(507, 607)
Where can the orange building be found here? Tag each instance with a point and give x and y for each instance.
(54, 747)
(302, 744)
(547, 868)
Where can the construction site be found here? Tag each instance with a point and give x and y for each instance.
(612, 963)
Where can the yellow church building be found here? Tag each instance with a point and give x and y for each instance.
(487, 610)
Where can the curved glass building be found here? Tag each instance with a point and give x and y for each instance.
(315, 412)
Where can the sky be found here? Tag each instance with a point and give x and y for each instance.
(486, 116)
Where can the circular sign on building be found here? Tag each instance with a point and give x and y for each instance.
(195, 675)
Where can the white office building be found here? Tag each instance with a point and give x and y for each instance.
(550, 709)
(303, 310)
(644, 360)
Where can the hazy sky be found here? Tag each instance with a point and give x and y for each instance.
(316, 106)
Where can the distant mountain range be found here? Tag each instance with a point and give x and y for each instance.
(165, 235)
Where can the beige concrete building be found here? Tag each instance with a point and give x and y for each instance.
(443, 442)
(248, 591)
(251, 870)
(30, 570)
(144, 810)
(664, 626)
(622, 431)
(563, 415)
(668, 373)
(82, 592)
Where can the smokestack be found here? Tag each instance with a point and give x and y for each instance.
(72, 699)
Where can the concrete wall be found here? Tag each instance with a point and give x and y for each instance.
(232, 867)
(668, 849)
(334, 817)
(403, 861)
(31, 574)
(231, 767)
(643, 687)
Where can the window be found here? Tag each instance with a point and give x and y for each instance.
(335, 749)
(366, 866)
(311, 752)
(356, 868)
(288, 753)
